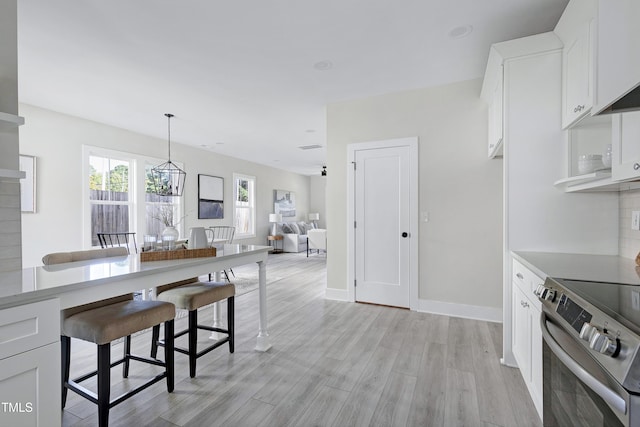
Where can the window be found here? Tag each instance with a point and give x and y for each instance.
(161, 211)
(120, 197)
(244, 192)
(109, 195)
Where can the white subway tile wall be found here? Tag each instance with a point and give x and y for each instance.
(10, 227)
(629, 240)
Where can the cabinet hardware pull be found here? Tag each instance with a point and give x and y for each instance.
(636, 166)
(520, 276)
(578, 108)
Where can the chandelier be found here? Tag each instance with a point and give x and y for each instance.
(168, 179)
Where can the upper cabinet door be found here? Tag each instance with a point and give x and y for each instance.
(625, 163)
(576, 30)
(617, 69)
(576, 76)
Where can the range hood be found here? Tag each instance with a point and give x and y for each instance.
(629, 102)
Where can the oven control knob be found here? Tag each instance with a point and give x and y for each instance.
(545, 293)
(604, 344)
(587, 331)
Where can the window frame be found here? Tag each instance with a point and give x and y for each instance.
(251, 205)
(137, 191)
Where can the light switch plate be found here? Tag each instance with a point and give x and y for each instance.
(635, 220)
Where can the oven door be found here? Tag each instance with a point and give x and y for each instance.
(576, 390)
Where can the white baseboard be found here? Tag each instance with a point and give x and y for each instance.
(476, 312)
(337, 294)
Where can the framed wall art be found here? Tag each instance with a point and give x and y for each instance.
(284, 202)
(28, 184)
(210, 197)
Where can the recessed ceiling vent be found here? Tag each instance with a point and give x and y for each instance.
(310, 147)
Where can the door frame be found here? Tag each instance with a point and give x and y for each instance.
(412, 144)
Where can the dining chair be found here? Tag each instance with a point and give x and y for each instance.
(223, 234)
(103, 322)
(111, 240)
(191, 295)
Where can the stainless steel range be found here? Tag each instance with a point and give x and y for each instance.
(591, 360)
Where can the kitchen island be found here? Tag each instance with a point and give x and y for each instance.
(30, 318)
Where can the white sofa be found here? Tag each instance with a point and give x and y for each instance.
(294, 235)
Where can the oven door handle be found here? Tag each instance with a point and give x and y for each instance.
(608, 395)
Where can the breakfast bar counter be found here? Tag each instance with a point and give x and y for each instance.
(30, 318)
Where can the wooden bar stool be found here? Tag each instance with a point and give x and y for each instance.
(103, 322)
(191, 295)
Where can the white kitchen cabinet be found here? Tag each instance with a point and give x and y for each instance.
(576, 29)
(536, 216)
(626, 146)
(527, 336)
(522, 333)
(30, 364)
(576, 77)
(617, 60)
(495, 125)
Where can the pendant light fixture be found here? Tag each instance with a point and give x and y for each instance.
(168, 179)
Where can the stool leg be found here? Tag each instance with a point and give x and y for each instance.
(155, 336)
(193, 341)
(126, 356)
(104, 383)
(169, 353)
(230, 321)
(65, 344)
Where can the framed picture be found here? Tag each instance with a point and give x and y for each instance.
(28, 184)
(210, 197)
(284, 203)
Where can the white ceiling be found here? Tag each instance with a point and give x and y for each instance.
(241, 76)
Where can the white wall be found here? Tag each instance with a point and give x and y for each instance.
(56, 140)
(461, 245)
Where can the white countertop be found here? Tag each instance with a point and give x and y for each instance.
(596, 268)
(39, 283)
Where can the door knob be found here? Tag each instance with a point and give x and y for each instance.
(405, 234)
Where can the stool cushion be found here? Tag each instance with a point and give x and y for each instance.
(105, 324)
(195, 295)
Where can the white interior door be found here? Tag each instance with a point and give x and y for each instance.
(382, 225)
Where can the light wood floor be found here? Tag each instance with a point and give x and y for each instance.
(332, 364)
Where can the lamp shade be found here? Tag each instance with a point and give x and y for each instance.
(275, 217)
(314, 216)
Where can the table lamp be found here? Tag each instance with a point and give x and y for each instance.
(273, 219)
(314, 217)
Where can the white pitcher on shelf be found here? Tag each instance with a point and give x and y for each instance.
(198, 238)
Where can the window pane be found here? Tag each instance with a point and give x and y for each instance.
(242, 193)
(161, 211)
(110, 218)
(108, 179)
(244, 209)
(243, 221)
